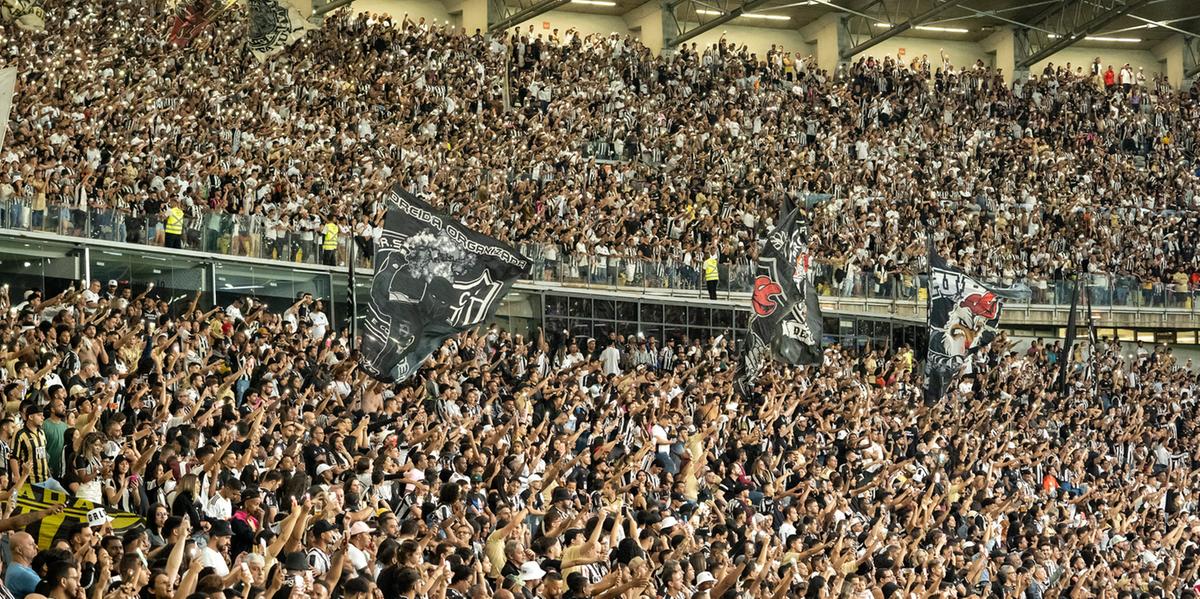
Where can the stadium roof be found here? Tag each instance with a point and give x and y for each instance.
(1138, 24)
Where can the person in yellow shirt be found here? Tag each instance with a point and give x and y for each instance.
(174, 225)
(711, 275)
(329, 242)
(494, 548)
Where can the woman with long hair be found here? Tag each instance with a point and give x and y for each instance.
(155, 524)
(120, 490)
(184, 503)
(84, 478)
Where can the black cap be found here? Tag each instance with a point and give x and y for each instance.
(296, 561)
(322, 527)
(220, 528)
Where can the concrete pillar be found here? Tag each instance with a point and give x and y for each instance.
(829, 36)
(1173, 52)
(650, 22)
(1003, 45)
(473, 14)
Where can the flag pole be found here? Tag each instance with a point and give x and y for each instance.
(930, 249)
(352, 292)
(1064, 357)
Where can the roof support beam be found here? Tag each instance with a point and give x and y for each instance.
(1073, 34)
(895, 30)
(1191, 58)
(525, 13)
(324, 8)
(711, 24)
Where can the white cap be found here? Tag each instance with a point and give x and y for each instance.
(98, 517)
(705, 578)
(532, 571)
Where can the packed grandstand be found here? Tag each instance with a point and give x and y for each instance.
(243, 451)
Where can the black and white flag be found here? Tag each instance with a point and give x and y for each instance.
(8, 84)
(785, 324)
(434, 278)
(26, 14)
(274, 25)
(963, 318)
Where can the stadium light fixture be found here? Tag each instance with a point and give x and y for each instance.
(928, 28)
(747, 15)
(1100, 38)
(594, 2)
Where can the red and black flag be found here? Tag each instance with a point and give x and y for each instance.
(192, 16)
(785, 322)
(964, 316)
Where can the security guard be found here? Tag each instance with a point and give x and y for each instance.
(711, 276)
(174, 225)
(329, 242)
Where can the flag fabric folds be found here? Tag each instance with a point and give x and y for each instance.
(274, 25)
(27, 14)
(785, 323)
(1089, 373)
(32, 498)
(1064, 356)
(434, 278)
(192, 16)
(963, 318)
(8, 83)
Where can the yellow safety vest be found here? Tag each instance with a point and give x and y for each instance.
(710, 269)
(174, 221)
(331, 237)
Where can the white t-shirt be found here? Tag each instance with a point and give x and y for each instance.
(610, 358)
(358, 559)
(658, 432)
(319, 324)
(211, 558)
(219, 508)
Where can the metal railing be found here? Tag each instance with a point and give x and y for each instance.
(215, 233)
(551, 264)
(249, 236)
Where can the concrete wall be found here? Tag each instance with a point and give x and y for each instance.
(430, 9)
(824, 40)
(585, 23)
(820, 38)
(757, 39)
(1083, 56)
(961, 53)
(647, 23)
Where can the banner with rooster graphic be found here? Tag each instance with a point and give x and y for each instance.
(963, 318)
(785, 323)
(434, 278)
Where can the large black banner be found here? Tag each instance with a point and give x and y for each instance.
(785, 324)
(434, 278)
(963, 316)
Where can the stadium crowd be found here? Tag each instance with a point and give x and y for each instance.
(1023, 182)
(265, 463)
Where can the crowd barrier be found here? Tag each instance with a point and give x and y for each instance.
(248, 236)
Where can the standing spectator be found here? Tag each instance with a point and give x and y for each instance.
(712, 275)
(173, 228)
(29, 457)
(329, 242)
